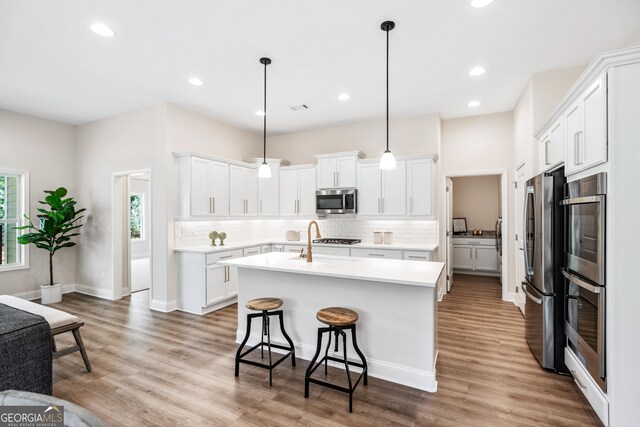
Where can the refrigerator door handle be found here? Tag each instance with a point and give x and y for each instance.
(527, 293)
(578, 281)
(528, 270)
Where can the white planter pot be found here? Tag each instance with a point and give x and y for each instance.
(51, 294)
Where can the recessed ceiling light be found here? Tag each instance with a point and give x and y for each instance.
(196, 81)
(480, 3)
(259, 113)
(103, 30)
(344, 97)
(477, 71)
(473, 103)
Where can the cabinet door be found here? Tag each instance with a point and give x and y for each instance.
(231, 285)
(327, 173)
(216, 290)
(307, 191)
(420, 187)
(544, 154)
(288, 192)
(394, 190)
(268, 192)
(219, 186)
(200, 181)
(593, 144)
(236, 190)
(486, 258)
(369, 189)
(556, 143)
(462, 257)
(251, 191)
(574, 119)
(346, 171)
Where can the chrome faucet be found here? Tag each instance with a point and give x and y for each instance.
(309, 256)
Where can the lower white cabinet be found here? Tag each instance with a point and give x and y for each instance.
(475, 255)
(203, 284)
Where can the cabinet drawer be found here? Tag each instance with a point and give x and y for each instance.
(416, 256)
(377, 253)
(588, 386)
(213, 258)
(265, 249)
(324, 250)
(254, 250)
(471, 241)
(292, 248)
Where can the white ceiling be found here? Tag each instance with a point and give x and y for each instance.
(52, 65)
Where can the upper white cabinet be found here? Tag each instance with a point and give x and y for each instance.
(420, 183)
(337, 170)
(204, 186)
(298, 191)
(269, 188)
(586, 128)
(552, 147)
(243, 191)
(382, 193)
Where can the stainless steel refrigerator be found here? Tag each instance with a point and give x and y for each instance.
(543, 283)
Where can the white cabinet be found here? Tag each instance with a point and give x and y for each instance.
(551, 147)
(382, 193)
(478, 255)
(298, 191)
(254, 250)
(204, 187)
(337, 170)
(377, 253)
(269, 192)
(216, 280)
(243, 191)
(420, 187)
(416, 256)
(586, 128)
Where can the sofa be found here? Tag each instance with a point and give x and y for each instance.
(25, 351)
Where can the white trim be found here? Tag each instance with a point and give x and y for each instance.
(24, 194)
(399, 374)
(35, 294)
(202, 155)
(358, 154)
(163, 306)
(94, 292)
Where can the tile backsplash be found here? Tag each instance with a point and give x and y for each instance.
(196, 233)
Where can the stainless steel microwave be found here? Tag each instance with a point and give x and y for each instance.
(336, 201)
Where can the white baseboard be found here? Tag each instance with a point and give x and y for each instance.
(31, 295)
(95, 292)
(419, 379)
(510, 297)
(163, 306)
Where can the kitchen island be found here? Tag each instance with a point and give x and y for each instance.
(396, 301)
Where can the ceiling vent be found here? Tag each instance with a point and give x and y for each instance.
(300, 107)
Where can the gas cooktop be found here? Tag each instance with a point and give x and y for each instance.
(337, 241)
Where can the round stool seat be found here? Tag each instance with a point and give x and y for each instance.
(263, 304)
(337, 316)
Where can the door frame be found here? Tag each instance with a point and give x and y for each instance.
(504, 212)
(120, 268)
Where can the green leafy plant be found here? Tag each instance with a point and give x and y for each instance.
(57, 225)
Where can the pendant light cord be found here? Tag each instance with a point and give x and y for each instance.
(387, 31)
(264, 129)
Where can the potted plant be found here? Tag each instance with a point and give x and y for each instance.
(57, 225)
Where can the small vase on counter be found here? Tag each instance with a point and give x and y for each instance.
(213, 236)
(222, 236)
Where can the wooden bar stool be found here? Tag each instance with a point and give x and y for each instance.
(339, 319)
(267, 308)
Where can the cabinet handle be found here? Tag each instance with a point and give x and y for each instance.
(337, 179)
(546, 152)
(226, 273)
(376, 255)
(226, 256)
(379, 205)
(260, 206)
(382, 204)
(576, 149)
(417, 257)
(580, 149)
(213, 203)
(575, 377)
(410, 204)
(210, 205)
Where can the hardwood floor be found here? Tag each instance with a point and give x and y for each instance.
(177, 369)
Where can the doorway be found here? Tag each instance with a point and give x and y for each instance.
(484, 254)
(132, 233)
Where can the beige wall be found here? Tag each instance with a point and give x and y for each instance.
(414, 135)
(477, 198)
(47, 151)
(633, 41)
(549, 88)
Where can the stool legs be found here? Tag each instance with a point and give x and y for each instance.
(315, 364)
(266, 330)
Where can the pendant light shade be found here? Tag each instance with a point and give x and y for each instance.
(264, 171)
(388, 160)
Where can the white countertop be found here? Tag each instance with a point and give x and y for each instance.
(363, 245)
(401, 272)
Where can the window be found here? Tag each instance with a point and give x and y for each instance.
(13, 206)
(136, 215)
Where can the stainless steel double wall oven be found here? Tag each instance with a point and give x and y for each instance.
(585, 248)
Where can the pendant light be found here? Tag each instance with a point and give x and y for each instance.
(387, 161)
(264, 171)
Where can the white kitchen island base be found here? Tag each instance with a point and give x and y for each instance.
(397, 323)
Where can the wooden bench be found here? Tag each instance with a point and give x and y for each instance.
(59, 322)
